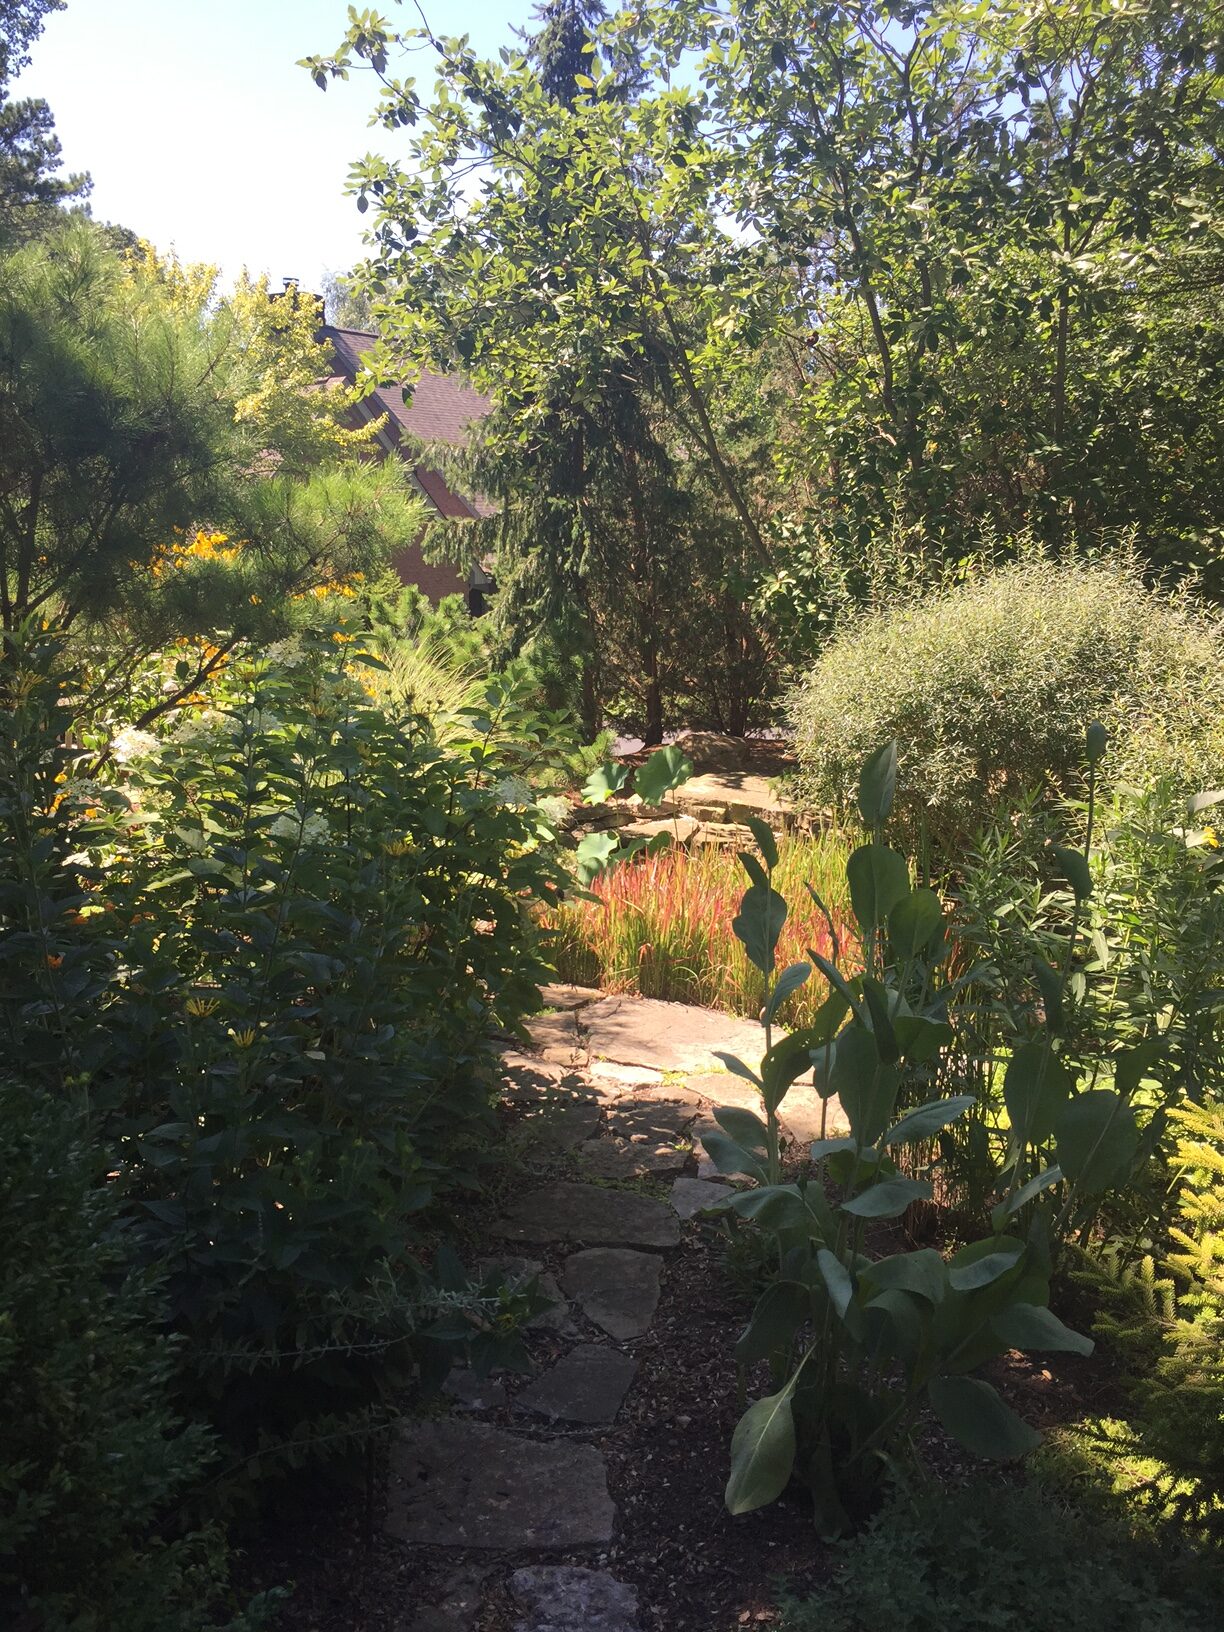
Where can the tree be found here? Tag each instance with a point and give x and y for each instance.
(1000, 240)
(590, 289)
(29, 147)
(167, 468)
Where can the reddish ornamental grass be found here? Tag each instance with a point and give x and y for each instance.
(661, 926)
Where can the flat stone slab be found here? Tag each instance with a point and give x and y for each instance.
(629, 1158)
(472, 1393)
(689, 1196)
(587, 1385)
(656, 1119)
(456, 1602)
(679, 829)
(557, 1125)
(559, 996)
(466, 1484)
(565, 1598)
(516, 1270)
(629, 1078)
(736, 794)
(616, 1288)
(590, 1215)
(667, 1036)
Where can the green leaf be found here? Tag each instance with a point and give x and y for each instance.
(1075, 870)
(1097, 1140)
(737, 1067)
(925, 1120)
(785, 1063)
(921, 1038)
(1050, 984)
(879, 879)
(758, 924)
(1036, 1086)
(1204, 801)
(913, 921)
(593, 855)
(888, 1198)
(665, 770)
(766, 841)
(747, 1130)
(977, 1418)
(878, 785)
(607, 779)
(923, 1273)
(865, 1085)
(730, 1158)
(790, 980)
(780, 1313)
(984, 1262)
(837, 1281)
(1029, 1326)
(1039, 1182)
(762, 1453)
(839, 983)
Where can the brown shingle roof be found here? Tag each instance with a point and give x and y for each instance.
(441, 408)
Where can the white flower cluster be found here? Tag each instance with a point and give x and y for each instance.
(132, 744)
(193, 729)
(553, 808)
(312, 827)
(287, 653)
(512, 790)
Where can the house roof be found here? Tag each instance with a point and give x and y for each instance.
(441, 408)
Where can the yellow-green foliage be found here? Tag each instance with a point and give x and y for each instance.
(988, 687)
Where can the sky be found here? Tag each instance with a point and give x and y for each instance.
(203, 135)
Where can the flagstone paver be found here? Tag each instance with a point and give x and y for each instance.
(615, 1287)
(566, 1598)
(589, 1215)
(629, 1159)
(689, 1196)
(667, 1036)
(466, 1484)
(587, 1385)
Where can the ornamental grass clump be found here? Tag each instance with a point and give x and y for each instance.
(661, 925)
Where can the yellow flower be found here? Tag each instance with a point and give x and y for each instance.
(1211, 838)
(202, 1006)
(244, 1038)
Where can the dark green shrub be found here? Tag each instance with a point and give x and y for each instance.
(1007, 1559)
(988, 688)
(269, 952)
(93, 1456)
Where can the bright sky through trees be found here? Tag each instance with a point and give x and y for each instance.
(201, 131)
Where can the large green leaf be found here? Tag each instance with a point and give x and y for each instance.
(924, 1121)
(923, 1273)
(878, 785)
(780, 1312)
(1075, 870)
(1097, 1139)
(603, 782)
(916, 917)
(1030, 1326)
(593, 855)
(984, 1262)
(665, 770)
(887, 1199)
(790, 980)
(1035, 1088)
(745, 1127)
(767, 843)
(762, 1453)
(730, 1158)
(878, 878)
(866, 1087)
(757, 925)
(837, 1280)
(977, 1418)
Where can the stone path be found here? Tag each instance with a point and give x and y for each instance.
(509, 1492)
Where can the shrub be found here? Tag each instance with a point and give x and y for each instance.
(1007, 1558)
(268, 953)
(989, 686)
(93, 1457)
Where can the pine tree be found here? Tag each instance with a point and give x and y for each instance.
(29, 147)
